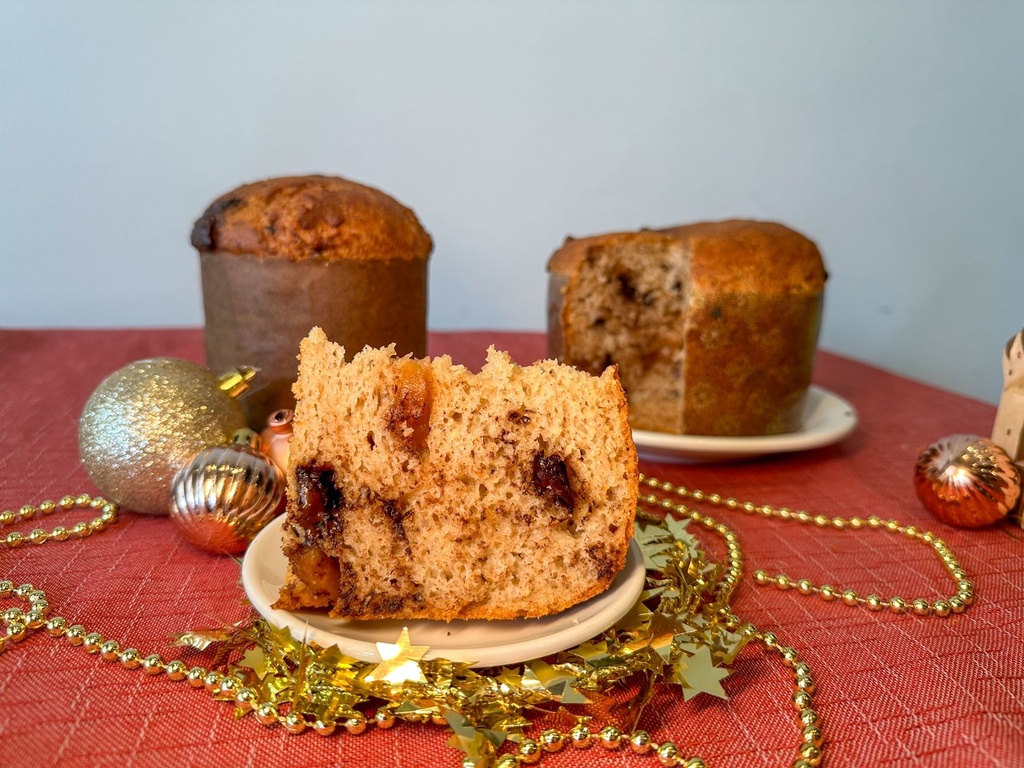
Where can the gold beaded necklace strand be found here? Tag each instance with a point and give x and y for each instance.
(920, 606)
(809, 751)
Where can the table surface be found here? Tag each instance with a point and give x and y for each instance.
(891, 689)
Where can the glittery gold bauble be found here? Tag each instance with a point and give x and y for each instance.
(144, 421)
(223, 497)
(967, 481)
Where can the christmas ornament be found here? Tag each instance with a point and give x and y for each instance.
(277, 436)
(967, 481)
(144, 421)
(226, 494)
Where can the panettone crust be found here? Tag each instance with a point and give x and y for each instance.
(311, 217)
(713, 325)
(745, 256)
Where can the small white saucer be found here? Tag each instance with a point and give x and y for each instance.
(479, 643)
(827, 419)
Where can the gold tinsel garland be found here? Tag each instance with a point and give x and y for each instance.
(674, 634)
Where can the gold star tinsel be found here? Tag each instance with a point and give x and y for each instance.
(676, 634)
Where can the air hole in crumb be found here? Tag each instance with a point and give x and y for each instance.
(612, 528)
(370, 440)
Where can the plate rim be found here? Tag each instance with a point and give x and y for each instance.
(845, 420)
(620, 597)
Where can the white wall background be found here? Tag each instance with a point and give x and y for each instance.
(892, 133)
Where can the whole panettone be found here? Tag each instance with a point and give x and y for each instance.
(713, 326)
(283, 255)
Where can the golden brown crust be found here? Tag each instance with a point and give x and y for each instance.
(745, 256)
(749, 363)
(303, 217)
(567, 259)
(714, 325)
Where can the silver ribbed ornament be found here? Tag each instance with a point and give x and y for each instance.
(223, 497)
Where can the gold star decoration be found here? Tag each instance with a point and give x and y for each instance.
(697, 673)
(478, 744)
(557, 681)
(399, 662)
(661, 632)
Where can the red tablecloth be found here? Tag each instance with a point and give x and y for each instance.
(891, 690)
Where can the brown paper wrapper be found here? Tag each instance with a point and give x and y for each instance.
(259, 309)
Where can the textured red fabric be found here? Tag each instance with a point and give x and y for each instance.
(892, 690)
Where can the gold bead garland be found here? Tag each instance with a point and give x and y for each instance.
(920, 606)
(232, 688)
(15, 539)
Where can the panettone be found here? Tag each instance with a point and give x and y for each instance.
(713, 326)
(418, 489)
(283, 255)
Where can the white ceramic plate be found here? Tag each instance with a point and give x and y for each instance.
(480, 643)
(827, 419)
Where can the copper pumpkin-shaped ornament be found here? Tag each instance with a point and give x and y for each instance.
(967, 481)
(275, 439)
(225, 495)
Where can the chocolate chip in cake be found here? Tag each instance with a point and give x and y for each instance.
(396, 514)
(518, 417)
(604, 564)
(551, 480)
(626, 287)
(319, 498)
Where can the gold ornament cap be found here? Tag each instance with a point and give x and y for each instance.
(237, 381)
